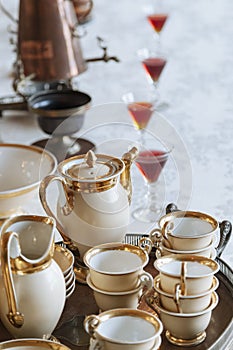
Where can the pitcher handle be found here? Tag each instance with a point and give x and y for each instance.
(66, 209)
(15, 317)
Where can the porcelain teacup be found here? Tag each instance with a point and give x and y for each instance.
(186, 329)
(208, 252)
(116, 267)
(115, 329)
(126, 299)
(184, 303)
(185, 230)
(193, 274)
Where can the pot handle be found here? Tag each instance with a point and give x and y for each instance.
(7, 13)
(67, 207)
(15, 317)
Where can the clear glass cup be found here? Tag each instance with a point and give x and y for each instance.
(153, 63)
(140, 106)
(152, 158)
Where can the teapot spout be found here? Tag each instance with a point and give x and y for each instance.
(125, 178)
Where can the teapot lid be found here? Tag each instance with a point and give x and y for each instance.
(91, 167)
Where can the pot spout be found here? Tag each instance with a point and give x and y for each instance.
(125, 178)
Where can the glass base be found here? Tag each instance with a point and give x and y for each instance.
(161, 106)
(147, 214)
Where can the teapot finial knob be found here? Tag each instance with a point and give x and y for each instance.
(90, 158)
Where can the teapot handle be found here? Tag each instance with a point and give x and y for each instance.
(15, 317)
(66, 209)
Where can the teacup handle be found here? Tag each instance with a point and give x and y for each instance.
(157, 234)
(146, 280)
(90, 323)
(146, 244)
(176, 297)
(183, 274)
(152, 301)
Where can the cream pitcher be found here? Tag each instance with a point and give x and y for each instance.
(32, 286)
(93, 201)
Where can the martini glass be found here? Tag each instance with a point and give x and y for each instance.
(140, 105)
(152, 157)
(157, 15)
(153, 63)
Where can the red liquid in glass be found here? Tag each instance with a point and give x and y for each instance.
(157, 21)
(140, 113)
(151, 163)
(154, 67)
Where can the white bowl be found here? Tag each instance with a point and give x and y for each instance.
(31, 344)
(22, 168)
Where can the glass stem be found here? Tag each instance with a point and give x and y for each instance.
(155, 92)
(151, 197)
(142, 136)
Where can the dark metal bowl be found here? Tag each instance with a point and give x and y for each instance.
(59, 112)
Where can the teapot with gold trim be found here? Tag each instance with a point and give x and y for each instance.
(94, 198)
(32, 285)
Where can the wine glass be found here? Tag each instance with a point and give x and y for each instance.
(154, 63)
(140, 105)
(157, 15)
(152, 157)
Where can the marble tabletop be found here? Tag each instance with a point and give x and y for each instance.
(197, 83)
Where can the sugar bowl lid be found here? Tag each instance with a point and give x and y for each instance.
(91, 167)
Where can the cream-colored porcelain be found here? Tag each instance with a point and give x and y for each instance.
(194, 274)
(94, 198)
(207, 252)
(32, 285)
(187, 329)
(185, 230)
(22, 168)
(126, 299)
(64, 258)
(98, 344)
(116, 267)
(184, 303)
(124, 329)
(32, 344)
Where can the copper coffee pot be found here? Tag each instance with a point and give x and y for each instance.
(48, 46)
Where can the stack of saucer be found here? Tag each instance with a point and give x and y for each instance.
(65, 259)
(185, 296)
